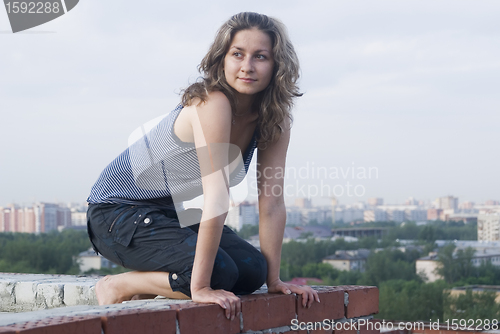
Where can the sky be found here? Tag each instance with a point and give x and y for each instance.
(402, 93)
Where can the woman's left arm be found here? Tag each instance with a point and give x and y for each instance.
(272, 215)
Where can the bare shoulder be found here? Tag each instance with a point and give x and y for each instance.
(214, 113)
(216, 103)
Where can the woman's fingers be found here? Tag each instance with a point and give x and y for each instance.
(230, 303)
(309, 295)
(225, 299)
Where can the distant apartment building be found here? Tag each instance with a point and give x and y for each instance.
(348, 260)
(42, 217)
(88, 260)
(303, 216)
(304, 203)
(447, 202)
(375, 201)
(396, 215)
(434, 214)
(376, 215)
(45, 217)
(294, 216)
(318, 215)
(16, 219)
(243, 214)
(411, 201)
(78, 218)
(488, 227)
(416, 215)
(428, 266)
(464, 206)
(348, 215)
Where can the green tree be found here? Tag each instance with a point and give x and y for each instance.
(411, 300)
(472, 305)
(387, 265)
(455, 265)
(47, 253)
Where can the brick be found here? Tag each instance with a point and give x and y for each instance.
(49, 295)
(7, 330)
(26, 292)
(140, 321)
(205, 318)
(80, 293)
(331, 306)
(262, 311)
(343, 331)
(363, 300)
(61, 325)
(321, 331)
(7, 296)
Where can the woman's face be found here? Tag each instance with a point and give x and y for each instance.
(249, 63)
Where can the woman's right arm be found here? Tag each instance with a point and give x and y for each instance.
(211, 124)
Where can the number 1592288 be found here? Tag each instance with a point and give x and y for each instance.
(33, 7)
(471, 324)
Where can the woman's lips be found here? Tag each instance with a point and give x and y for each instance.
(247, 80)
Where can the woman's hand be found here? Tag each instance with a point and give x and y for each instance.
(308, 294)
(226, 299)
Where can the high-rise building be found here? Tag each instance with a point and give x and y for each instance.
(416, 215)
(375, 216)
(488, 227)
(411, 201)
(304, 203)
(78, 218)
(243, 214)
(42, 217)
(448, 202)
(396, 215)
(375, 201)
(434, 214)
(16, 219)
(45, 217)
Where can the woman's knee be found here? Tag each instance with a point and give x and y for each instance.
(225, 273)
(253, 274)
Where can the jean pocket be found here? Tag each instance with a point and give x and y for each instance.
(124, 226)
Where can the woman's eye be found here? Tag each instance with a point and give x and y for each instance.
(261, 57)
(237, 54)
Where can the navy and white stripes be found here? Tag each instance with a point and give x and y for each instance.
(156, 168)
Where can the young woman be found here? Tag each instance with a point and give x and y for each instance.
(135, 216)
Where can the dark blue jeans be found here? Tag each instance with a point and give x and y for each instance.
(150, 238)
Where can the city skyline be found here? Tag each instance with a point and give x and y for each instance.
(406, 88)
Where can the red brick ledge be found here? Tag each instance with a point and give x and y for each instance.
(261, 313)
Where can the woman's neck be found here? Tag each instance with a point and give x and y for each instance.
(244, 104)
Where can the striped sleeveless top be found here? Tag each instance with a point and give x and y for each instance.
(157, 168)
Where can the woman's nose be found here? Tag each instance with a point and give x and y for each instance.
(247, 65)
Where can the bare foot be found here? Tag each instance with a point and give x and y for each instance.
(108, 292)
(143, 296)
